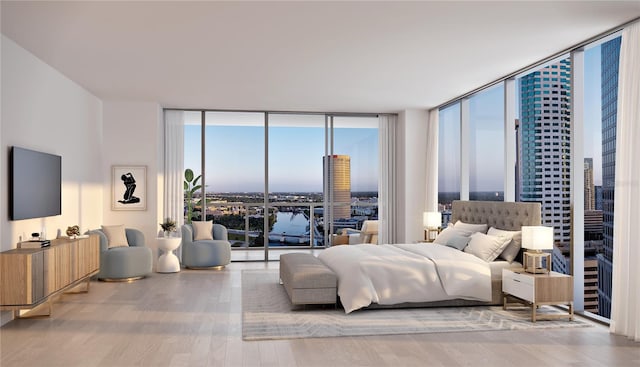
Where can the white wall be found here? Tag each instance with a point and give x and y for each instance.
(412, 136)
(132, 136)
(43, 110)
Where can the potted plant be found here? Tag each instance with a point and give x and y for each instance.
(191, 185)
(168, 226)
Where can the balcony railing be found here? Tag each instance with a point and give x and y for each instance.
(315, 234)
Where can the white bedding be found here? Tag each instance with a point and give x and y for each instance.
(392, 274)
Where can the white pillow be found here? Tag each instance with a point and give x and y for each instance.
(448, 234)
(513, 247)
(486, 247)
(202, 230)
(116, 236)
(471, 227)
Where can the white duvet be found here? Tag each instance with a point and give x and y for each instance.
(392, 274)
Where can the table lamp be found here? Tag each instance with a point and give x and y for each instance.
(431, 222)
(535, 239)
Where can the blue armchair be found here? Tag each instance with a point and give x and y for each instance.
(124, 264)
(203, 254)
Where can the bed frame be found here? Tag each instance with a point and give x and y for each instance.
(502, 215)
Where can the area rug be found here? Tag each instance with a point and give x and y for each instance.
(267, 314)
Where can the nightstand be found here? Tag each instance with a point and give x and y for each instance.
(538, 289)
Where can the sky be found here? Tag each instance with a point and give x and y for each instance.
(486, 142)
(235, 157)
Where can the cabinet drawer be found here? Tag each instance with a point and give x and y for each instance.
(518, 285)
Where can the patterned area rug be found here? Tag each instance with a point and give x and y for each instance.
(267, 314)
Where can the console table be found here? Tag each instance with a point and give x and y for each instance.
(32, 277)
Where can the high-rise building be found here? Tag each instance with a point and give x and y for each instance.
(339, 191)
(598, 191)
(544, 145)
(589, 188)
(610, 56)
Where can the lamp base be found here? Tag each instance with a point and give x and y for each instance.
(533, 262)
(430, 234)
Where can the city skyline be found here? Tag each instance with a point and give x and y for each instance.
(295, 156)
(486, 112)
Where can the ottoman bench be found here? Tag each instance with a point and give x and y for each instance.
(307, 280)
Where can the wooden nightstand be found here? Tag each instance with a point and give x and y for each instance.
(538, 289)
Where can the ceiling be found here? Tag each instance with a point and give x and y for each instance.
(300, 56)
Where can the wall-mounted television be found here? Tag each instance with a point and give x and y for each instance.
(35, 184)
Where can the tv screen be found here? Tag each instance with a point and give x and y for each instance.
(35, 184)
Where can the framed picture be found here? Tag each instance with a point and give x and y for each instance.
(128, 188)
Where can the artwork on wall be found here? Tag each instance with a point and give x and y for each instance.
(128, 188)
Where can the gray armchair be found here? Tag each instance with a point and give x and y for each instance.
(124, 263)
(204, 254)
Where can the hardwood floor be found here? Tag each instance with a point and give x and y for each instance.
(193, 318)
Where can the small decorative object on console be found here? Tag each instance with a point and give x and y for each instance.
(73, 231)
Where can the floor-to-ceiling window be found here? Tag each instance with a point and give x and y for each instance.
(319, 174)
(448, 160)
(193, 165)
(234, 174)
(544, 151)
(600, 110)
(565, 144)
(296, 148)
(486, 145)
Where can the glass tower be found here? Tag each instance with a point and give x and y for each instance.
(544, 145)
(610, 56)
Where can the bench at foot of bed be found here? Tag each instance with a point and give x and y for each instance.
(307, 280)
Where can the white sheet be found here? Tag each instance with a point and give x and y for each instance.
(392, 274)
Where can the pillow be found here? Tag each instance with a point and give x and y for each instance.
(458, 242)
(486, 247)
(513, 248)
(116, 236)
(448, 234)
(202, 230)
(471, 227)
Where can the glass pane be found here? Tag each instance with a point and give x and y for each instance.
(544, 149)
(193, 162)
(486, 144)
(606, 142)
(448, 160)
(234, 176)
(355, 159)
(296, 148)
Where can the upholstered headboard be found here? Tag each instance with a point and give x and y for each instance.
(503, 215)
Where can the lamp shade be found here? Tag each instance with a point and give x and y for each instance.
(537, 237)
(432, 219)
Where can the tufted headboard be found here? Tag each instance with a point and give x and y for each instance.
(502, 215)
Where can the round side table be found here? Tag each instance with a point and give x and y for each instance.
(168, 262)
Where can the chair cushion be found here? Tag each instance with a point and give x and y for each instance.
(202, 230)
(116, 236)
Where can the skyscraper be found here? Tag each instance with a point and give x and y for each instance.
(610, 56)
(544, 145)
(589, 188)
(339, 191)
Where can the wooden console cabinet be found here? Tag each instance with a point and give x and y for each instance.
(31, 277)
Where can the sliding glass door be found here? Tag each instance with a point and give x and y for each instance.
(281, 181)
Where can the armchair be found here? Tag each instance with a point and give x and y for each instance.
(203, 254)
(124, 263)
(367, 234)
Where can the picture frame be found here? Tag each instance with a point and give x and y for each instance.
(128, 187)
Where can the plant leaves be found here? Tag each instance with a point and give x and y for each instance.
(188, 175)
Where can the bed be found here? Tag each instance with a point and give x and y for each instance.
(428, 275)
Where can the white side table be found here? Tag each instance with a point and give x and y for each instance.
(168, 262)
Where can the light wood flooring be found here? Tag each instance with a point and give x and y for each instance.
(193, 318)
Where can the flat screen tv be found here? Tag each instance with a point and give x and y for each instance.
(35, 184)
